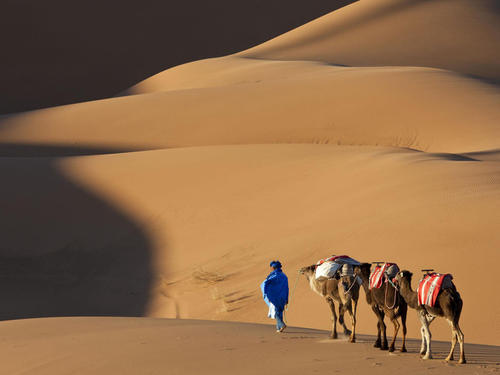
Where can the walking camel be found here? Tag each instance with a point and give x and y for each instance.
(344, 291)
(385, 300)
(448, 305)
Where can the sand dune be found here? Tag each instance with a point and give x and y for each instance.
(152, 346)
(457, 35)
(200, 224)
(372, 131)
(420, 108)
(424, 97)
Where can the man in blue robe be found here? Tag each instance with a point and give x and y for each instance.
(275, 293)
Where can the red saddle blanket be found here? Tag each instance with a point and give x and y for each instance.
(378, 275)
(429, 288)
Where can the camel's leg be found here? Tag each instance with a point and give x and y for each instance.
(342, 309)
(352, 312)
(394, 321)
(377, 342)
(333, 335)
(384, 345)
(423, 344)
(403, 323)
(458, 331)
(380, 317)
(453, 341)
(460, 336)
(425, 320)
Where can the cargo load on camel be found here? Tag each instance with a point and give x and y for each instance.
(430, 286)
(335, 266)
(383, 273)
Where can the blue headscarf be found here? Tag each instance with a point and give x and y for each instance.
(275, 264)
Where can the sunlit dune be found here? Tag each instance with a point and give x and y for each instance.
(372, 131)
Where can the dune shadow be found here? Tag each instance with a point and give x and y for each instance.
(450, 157)
(431, 156)
(36, 150)
(64, 251)
(58, 52)
(485, 155)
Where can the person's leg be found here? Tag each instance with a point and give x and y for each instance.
(280, 325)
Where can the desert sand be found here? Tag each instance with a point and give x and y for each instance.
(373, 131)
(159, 346)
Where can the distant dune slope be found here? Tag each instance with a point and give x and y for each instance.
(214, 216)
(264, 95)
(425, 109)
(458, 35)
(57, 52)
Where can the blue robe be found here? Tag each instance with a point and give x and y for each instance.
(275, 289)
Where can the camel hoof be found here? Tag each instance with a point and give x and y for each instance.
(426, 357)
(391, 349)
(462, 361)
(448, 359)
(377, 344)
(384, 348)
(333, 337)
(403, 350)
(352, 339)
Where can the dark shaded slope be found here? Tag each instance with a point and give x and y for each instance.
(64, 250)
(57, 52)
(458, 35)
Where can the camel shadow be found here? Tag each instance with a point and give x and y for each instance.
(476, 353)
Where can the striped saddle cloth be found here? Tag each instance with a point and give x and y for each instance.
(430, 286)
(380, 273)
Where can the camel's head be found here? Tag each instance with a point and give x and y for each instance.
(404, 275)
(308, 271)
(363, 269)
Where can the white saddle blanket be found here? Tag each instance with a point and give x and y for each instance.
(328, 268)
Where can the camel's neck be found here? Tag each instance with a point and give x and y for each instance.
(408, 294)
(314, 284)
(366, 287)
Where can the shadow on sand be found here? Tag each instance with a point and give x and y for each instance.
(63, 250)
(58, 52)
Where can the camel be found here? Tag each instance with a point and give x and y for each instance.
(448, 305)
(385, 300)
(344, 291)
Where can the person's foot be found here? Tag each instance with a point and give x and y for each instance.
(282, 329)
